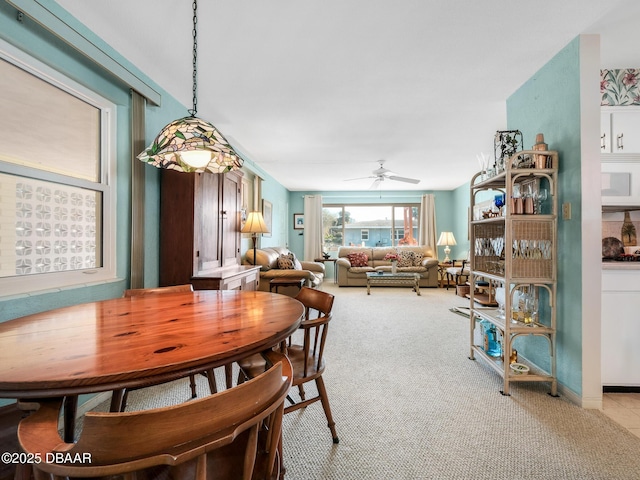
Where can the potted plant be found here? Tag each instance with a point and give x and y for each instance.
(393, 258)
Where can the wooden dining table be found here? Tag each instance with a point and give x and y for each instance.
(138, 341)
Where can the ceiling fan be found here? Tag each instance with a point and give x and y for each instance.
(381, 174)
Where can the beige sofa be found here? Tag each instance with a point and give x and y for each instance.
(267, 258)
(350, 276)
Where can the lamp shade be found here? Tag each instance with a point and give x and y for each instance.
(191, 136)
(255, 224)
(446, 239)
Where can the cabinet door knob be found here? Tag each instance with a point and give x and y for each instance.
(619, 143)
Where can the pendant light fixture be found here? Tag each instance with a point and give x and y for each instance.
(191, 144)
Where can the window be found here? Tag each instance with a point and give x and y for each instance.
(375, 225)
(57, 202)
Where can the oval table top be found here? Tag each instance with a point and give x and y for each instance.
(137, 341)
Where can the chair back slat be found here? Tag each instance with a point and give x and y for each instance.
(315, 300)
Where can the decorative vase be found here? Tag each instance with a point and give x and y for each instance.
(628, 232)
(540, 161)
(394, 266)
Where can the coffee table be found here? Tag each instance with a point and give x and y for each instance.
(385, 278)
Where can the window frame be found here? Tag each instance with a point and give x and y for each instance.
(392, 206)
(106, 184)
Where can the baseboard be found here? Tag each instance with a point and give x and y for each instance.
(620, 389)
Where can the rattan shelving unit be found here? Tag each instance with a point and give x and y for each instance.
(517, 252)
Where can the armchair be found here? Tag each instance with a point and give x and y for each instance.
(267, 258)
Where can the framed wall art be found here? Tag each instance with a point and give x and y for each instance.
(267, 214)
(298, 221)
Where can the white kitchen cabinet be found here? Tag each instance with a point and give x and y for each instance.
(620, 130)
(605, 131)
(621, 327)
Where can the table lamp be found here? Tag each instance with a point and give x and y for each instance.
(446, 239)
(255, 225)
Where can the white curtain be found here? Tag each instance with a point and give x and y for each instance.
(312, 227)
(427, 235)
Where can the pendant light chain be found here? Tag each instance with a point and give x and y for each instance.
(195, 59)
(177, 145)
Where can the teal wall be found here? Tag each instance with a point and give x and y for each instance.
(549, 103)
(460, 199)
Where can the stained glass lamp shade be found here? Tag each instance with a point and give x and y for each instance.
(191, 144)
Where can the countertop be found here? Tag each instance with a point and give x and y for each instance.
(621, 265)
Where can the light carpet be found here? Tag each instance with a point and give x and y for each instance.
(409, 404)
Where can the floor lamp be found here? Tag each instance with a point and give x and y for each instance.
(446, 239)
(255, 225)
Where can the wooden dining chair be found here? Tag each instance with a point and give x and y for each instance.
(307, 357)
(234, 434)
(119, 397)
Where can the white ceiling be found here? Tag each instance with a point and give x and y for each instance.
(317, 92)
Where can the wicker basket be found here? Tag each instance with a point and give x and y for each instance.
(462, 290)
(532, 250)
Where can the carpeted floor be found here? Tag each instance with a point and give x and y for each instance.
(409, 404)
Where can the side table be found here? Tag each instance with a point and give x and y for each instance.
(335, 267)
(276, 283)
(442, 273)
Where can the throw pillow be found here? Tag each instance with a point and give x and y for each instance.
(288, 262)
(417, 259)
(358, 259)
(405, 258)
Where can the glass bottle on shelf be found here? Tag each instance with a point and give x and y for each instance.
(491, 343)
(500, 299)
(528, 202)
(530, 309)
(516, 201)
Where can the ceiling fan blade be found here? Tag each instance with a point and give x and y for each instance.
(359, 178)
(376, 183)
(403, 179)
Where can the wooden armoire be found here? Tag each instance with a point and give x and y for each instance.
(200, 232)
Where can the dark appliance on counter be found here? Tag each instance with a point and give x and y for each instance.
(613, 251)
